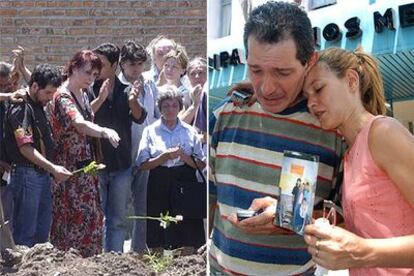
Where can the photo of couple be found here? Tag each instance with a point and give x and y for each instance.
(297, 191)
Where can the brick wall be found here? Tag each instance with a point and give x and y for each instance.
(52, 31)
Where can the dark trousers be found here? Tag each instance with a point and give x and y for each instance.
(162, 183)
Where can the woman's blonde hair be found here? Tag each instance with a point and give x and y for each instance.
(370, 80)
(179, 54)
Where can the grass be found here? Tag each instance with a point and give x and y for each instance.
(157, 261)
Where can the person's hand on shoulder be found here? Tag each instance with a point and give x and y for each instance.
(18, 96)
(242, 93)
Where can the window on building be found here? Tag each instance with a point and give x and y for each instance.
(225, 18)
(316, 4)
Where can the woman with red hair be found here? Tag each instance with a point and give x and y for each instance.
(77, 213)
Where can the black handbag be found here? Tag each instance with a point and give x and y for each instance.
(189, 197)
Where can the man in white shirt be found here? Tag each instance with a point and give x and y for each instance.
(132, 59)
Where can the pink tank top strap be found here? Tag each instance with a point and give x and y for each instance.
(363, 135)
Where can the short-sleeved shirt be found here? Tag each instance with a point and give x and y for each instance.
(115, 113)
(26, 123)
(246, 155)
(158, 138)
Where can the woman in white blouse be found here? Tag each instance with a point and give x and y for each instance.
(167, 149)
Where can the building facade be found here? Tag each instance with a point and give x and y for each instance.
(383, 28)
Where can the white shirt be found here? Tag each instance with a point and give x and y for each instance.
(147, 99)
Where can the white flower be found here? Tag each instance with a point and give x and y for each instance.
(179, 218)
(163, 224)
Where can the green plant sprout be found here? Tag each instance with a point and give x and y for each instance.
(92, 168)
(158, 262)
(165, 220)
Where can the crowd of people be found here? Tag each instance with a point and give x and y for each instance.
(147, 128)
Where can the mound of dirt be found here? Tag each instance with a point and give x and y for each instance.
(45, 260)
(195, 264)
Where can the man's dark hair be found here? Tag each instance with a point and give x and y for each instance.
(277, 21)
(134, 52)
(108, 50)
(44, 75)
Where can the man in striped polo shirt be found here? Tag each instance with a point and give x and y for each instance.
(247, 144)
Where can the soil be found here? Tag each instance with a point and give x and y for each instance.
(45, 260)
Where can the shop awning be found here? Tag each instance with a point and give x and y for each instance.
(398, 73)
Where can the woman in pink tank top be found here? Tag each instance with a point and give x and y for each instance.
(345, 92)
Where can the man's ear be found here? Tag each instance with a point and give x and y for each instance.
(353, 79)
(34, 87)
(312, 61)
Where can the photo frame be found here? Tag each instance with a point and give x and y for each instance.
(297, 190)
